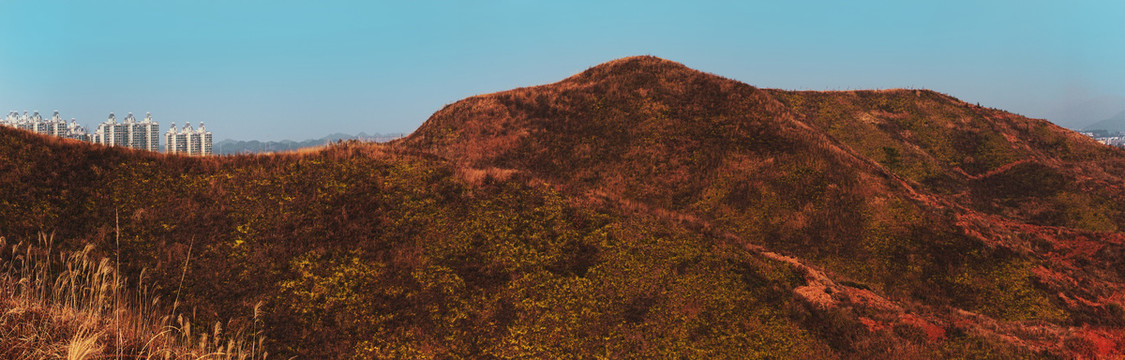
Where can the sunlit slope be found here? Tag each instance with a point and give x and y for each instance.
(915, 194)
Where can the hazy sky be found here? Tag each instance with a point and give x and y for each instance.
(289, 69)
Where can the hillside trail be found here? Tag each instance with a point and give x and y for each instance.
(821, 293)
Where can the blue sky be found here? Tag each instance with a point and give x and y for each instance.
(285, 69)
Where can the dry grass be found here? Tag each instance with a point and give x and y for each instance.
(479, 176)
(73, 306)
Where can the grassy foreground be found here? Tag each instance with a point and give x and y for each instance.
(71, 305)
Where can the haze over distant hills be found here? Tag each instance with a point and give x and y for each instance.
(1085, 114)
(638, 209)
(1112, 124)
(230, 147)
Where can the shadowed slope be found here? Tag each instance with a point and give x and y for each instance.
(992, 161)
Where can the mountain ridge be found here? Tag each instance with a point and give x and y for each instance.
(1113, 123)
(231, 146)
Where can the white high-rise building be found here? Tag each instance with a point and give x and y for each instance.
(37, 124)
(57, 126)
(188, 141)
(141, 135)
(205, 139)
(172, 143)
(111, 132)
(77, 132)
(25, 123)
(152, 132)
(134, 133)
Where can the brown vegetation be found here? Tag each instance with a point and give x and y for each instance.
(876, 187)
(639, 209)
(71, 305)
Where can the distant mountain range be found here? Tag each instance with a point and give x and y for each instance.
(1084, 114)
(1115, 123)
(229, 146)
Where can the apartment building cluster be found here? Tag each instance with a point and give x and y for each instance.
(133, 134)
(130, 133)
(188, 141)
(1111, 138)
(55, 126)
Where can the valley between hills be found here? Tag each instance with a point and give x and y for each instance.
(639, 209)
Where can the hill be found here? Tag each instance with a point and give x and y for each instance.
(1115, 123)
(639, 209)
(904, 191)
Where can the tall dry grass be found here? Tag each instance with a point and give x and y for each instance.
(71, 305)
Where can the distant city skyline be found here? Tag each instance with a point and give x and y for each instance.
(299, 70)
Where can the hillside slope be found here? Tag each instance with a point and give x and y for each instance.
(921, 197)
(992, 161)
(364, 251)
